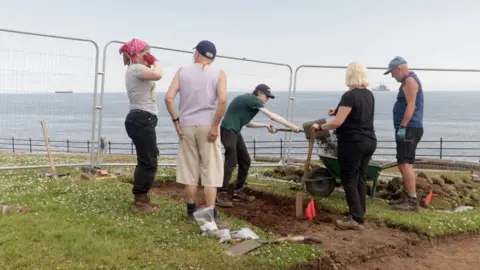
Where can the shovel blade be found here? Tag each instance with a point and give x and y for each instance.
(243, 247)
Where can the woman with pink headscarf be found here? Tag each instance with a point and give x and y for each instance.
(142, 119)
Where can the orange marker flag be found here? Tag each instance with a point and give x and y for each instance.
(310, 210)
(428, 198)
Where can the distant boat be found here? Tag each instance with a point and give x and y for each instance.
(64, 92)
(381, 88)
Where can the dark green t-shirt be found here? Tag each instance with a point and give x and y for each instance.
(241, 110)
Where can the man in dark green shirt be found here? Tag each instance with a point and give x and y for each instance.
(240, 112)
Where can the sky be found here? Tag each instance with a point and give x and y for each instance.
(428, 34)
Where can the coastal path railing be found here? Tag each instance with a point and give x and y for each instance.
(441, 148)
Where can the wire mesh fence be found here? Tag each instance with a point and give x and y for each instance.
(38, 74)
(54, 78)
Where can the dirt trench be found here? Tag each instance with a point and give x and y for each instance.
(377, 247)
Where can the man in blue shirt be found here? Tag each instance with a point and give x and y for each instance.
(408, 124)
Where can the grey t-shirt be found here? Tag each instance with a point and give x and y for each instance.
(140, 92)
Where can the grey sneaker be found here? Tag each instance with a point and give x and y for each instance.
(223, 200)
(399, 200)
(348, 223)
(409, 204)
(240, 195)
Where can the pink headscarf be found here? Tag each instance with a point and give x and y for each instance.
(133, 47)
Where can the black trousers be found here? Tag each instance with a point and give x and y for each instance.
(353, 158)
(235, 152)
(140, 126)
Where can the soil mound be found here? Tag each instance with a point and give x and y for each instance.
(448, 191)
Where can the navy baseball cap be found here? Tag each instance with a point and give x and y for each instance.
(207, 49)
(395, 62)
(264, 89)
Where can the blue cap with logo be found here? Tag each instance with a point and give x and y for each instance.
(395, 62)
(207, 49)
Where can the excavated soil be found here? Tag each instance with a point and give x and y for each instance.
(377, 247)
(448, 192)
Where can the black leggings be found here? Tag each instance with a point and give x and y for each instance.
(140, 126)
(353, 158)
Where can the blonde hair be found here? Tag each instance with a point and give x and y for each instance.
(356, 76)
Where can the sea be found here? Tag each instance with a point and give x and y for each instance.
(451, 120)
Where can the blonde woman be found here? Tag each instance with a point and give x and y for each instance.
(353, 121)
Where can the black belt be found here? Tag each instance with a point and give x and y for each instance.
(141, 111)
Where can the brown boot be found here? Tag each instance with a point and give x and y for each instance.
(141, 204)
(223, 200)
(152, 204)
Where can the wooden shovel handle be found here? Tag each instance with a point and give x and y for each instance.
(298, 238)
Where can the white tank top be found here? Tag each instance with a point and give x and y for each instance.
(198, 94)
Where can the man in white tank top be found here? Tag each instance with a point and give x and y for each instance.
(203, 99)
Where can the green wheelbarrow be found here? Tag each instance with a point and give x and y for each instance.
(321, 181)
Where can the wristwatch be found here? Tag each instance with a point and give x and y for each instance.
(176, 119)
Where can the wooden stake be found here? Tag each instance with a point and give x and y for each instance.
(47, 144)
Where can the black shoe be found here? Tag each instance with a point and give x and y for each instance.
(190, 218)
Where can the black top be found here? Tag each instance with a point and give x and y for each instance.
(358, 126)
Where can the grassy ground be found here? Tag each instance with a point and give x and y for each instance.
(87, 224)
(429, 222)
(76, 224)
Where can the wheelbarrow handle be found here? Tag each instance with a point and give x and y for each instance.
(395, 164)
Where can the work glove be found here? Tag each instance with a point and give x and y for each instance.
(150, 59)
(401, 133)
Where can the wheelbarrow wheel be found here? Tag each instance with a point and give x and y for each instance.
(323, 183)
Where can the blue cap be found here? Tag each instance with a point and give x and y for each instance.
(395, 62)
(207, 49)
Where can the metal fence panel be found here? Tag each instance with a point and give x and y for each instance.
(51, 78)
(242, 74)
(333, 78)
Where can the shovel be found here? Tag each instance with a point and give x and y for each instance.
(286, 130)
(299, 198)
(251, 244)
